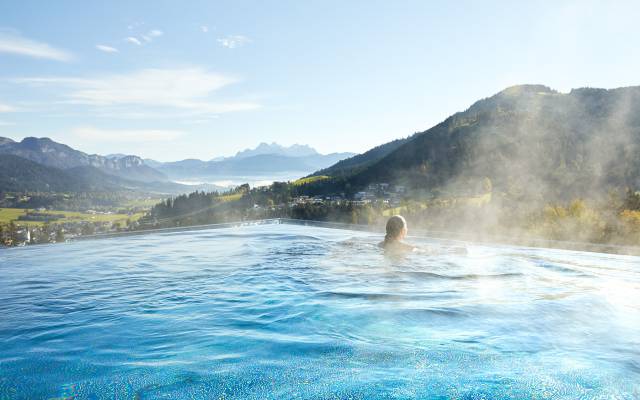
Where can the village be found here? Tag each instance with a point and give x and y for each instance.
(388, 195)
(43, 226)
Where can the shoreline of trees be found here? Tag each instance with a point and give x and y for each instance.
(614, 221)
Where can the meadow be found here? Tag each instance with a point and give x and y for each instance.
(8, 215)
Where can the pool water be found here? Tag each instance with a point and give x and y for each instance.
(282, 311)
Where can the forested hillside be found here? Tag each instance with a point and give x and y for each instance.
(19, 174)
(529, 140)
(57, 155)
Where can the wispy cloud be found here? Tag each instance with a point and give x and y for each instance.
(152, 86)
(5, 108)
(126, 135)
(233, 41)
(145, 38)
(133, 40)
(51, 80)
(106, 49)
(204, 28)
(14, 44)
(151, 35)
(135, 25)
(185, 89)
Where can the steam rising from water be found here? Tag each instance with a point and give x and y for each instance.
(529, 147)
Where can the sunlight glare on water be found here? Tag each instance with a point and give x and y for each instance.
(285, 311)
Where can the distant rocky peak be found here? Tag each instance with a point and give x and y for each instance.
(302, 149)
(129, 161)
(295, 150)
(115, 156)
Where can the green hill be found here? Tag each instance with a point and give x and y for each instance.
(19, 174)
(57, 155)
(359, 162)
(529, 140)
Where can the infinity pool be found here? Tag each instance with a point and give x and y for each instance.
(282, 311)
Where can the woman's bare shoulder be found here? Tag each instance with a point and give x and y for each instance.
(396, 246)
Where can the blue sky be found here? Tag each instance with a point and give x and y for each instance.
(172, 80)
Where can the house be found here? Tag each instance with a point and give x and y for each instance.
(301, 200)
(360, 196)
(378, 187)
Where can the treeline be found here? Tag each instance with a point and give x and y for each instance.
(77, 201)
(615, 223)
(614, 220)
(199, 208)
(244, 203)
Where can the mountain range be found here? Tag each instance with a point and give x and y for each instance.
(19, 174)
(295, 150)
(264, 160)
(528, 141)
(41, 164)
(47, 152)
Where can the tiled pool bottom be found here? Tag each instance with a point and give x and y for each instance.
(281, 311)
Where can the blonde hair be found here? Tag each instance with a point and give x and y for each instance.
(395, 226)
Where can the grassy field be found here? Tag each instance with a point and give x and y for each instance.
(230, 197)
(11, 214)
(311, 179)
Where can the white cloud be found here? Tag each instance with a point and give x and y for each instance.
(133, 40)
(125, 135)
(204, 28)
(151, 86)
(43, 80)
(19, 45)
(233, 41)
(135, 25)
(5, 108)
(148, 37)
(106, 49)
(185, 89)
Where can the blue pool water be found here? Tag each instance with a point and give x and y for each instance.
(284, 311)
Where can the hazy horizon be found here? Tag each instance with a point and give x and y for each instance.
(165, 82)
(18, 138)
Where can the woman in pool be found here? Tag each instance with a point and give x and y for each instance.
(396, 232)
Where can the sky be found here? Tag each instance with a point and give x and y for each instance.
(201, 79)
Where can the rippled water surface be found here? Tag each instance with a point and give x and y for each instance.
(284, 311)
